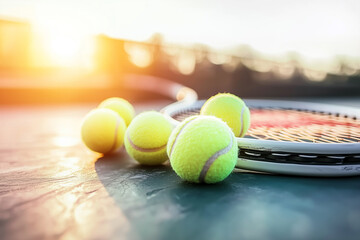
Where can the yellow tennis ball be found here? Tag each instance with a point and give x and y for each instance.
(121, 106)
(146, 138)
(103, 130)
(231, 109)
(202, 149)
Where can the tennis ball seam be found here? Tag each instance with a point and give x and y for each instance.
(210, 160)
(115, 135)
(102, 131)
(242, 121)
(213, 158)
(133, 145)
(177, 135)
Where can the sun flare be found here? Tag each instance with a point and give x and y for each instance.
(62, 43)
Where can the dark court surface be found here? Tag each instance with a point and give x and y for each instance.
(52, 187)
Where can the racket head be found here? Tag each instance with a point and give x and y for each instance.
(297, 138)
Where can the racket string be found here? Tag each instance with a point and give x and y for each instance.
(296, 126)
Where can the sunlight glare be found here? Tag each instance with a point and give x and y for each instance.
(186, 62)
(62, 42)
(140, 55)
(63, 50)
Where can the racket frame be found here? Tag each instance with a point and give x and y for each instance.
(302, 149)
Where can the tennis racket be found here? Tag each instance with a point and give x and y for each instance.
(285, 137)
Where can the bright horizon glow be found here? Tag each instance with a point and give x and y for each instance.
(62, 44)
(317, 30)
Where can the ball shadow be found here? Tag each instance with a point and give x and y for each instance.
(159, 205)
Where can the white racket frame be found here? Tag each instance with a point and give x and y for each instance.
(297, 148)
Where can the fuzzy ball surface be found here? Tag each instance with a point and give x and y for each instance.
(202, 149)
(146, 138)
(103, 130)
(121, 107)
(231, 109)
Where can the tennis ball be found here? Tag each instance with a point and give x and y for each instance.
(146, 138)
(231, 109)
(121, 106)
(103, 130)
(202, 149)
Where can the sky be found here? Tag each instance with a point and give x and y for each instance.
(317, 29)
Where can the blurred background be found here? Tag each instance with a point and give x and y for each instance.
(82, 51)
